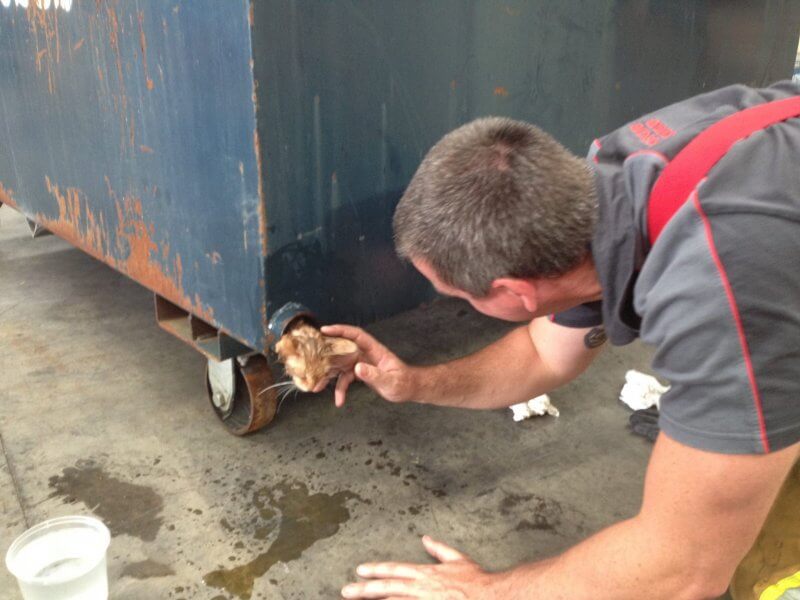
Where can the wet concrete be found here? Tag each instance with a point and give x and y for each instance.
(125, 508)
(299, 518)
(102, 412)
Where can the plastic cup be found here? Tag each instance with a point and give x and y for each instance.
(61, 559)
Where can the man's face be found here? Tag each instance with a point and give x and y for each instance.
(499, 303)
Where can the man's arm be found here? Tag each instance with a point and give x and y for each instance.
(700, 514)
(525, 363)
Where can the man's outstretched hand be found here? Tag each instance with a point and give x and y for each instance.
(378, 367)
(455, 577)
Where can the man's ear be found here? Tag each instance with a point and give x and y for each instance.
(524, 290)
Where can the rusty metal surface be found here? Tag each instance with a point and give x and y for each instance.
(254, 405)
(128, 130)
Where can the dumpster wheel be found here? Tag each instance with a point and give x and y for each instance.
(238, 394)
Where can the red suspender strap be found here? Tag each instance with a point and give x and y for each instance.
(682, 175)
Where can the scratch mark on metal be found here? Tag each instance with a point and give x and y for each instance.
(143, 46)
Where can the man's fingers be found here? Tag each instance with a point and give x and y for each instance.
(340, 393)
(382, 588)
(441, 552)
(321, 386)
(391, 570)
(367, 344)
(346, 331)
(372, 376)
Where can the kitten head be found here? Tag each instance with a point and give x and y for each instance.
(310, 357)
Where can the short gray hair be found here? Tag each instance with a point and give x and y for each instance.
(497, 198)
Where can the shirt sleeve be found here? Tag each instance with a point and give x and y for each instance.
(583, 315)
(720, 298)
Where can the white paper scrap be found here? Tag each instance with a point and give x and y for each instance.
(641, 390)
(538, 406)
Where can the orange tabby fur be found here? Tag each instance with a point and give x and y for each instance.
(310, 357)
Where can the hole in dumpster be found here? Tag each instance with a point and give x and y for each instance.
(309, 357)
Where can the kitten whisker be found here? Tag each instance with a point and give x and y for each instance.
(284, 394)
(276, 385)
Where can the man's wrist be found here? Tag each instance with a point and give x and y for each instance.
(422, 383)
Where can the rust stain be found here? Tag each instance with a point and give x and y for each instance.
(262, 209)
(78, 45)
(500, 91)
(143, 46)
(6, 196)
(91, 238)
(120, 99)
(146, 149)
(251, 15)
(453, 84)
(137, 253)
(46, 38)
(132, 129)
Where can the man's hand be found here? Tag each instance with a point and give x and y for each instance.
(456, 577)
(381, 370)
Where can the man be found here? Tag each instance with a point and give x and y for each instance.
(503, 216)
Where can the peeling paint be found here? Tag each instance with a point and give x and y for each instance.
(44, 31)
(134, 253)
(262, 207)
(6, 196)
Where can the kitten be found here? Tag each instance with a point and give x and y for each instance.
(310, 357)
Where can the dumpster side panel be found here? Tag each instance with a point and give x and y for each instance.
(128, 129)
(352, 94)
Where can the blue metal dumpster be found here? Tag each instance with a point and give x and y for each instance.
(237, 156)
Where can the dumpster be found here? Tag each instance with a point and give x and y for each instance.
(242, 160)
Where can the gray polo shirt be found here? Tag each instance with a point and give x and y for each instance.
(718, 294)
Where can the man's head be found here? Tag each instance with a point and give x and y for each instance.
(495, 202)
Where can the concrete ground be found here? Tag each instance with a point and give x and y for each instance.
(103, 412)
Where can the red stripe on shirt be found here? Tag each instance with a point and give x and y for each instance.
(599, 147)
(737, 319)
(655, 153)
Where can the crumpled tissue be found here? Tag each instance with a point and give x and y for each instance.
(641, 390)
(538, 406)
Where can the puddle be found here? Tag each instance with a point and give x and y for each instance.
(147, 569)
(301, 519)
(124, 507)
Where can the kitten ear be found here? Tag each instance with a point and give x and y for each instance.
(335, 346)
(341, 353)
(285, 347)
